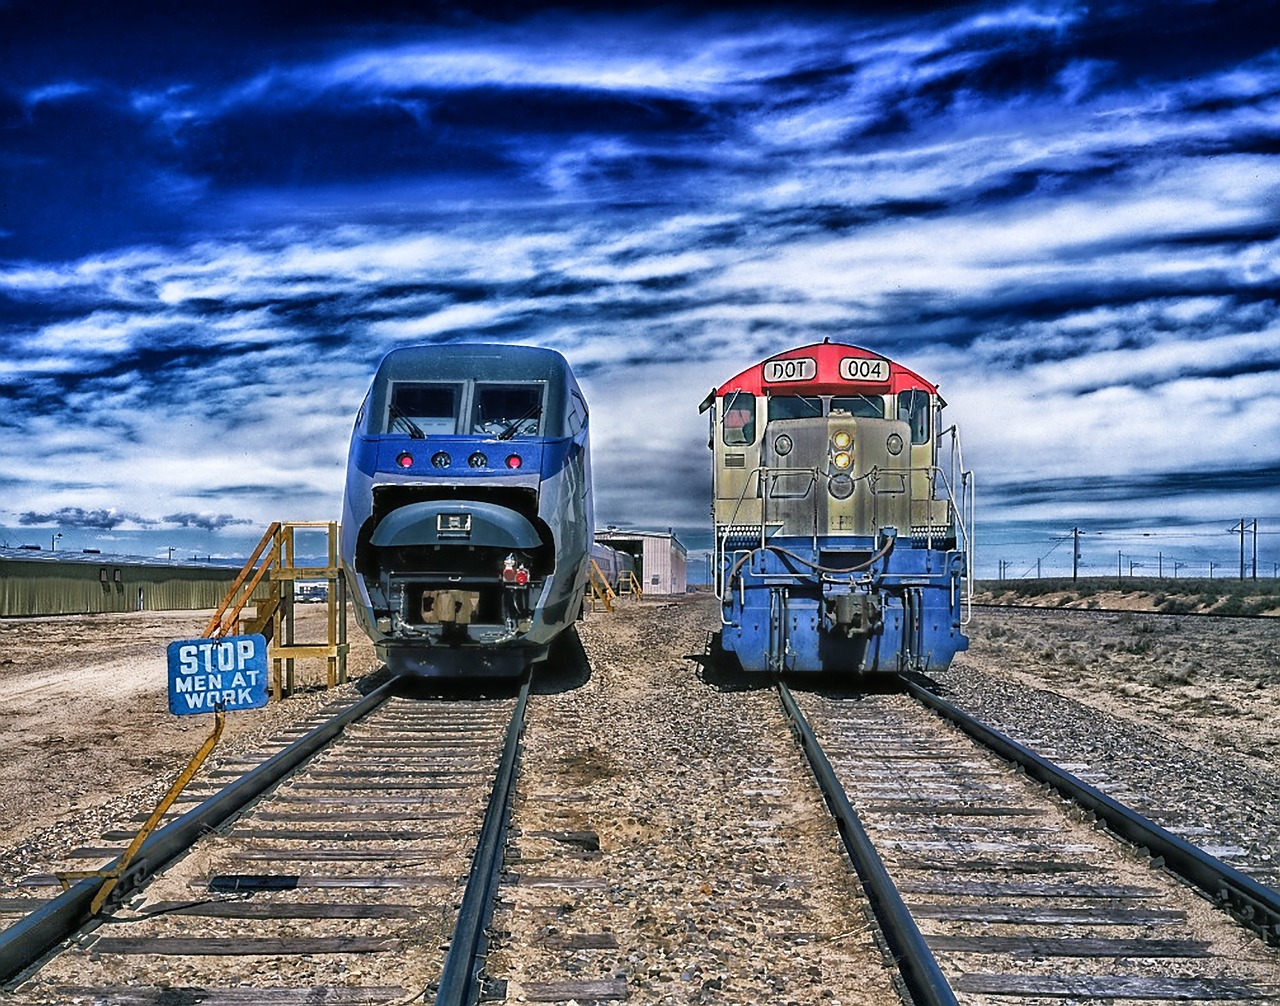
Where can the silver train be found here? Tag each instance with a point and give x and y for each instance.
(616, 567)
(467, 515)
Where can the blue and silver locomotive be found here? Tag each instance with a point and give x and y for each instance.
(467, 517)
(842, 533)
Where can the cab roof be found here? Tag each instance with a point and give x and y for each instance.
(825, 368)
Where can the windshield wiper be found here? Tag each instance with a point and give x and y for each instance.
(514, 425)
(415, 431)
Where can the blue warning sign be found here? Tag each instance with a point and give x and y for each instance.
(208, 674)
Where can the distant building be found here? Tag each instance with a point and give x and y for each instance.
(660, 558)
(35, 582)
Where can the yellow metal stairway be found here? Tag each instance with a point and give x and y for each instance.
(267, 581)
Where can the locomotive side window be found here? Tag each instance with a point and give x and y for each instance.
(577, 417)
(422, 409)
(865, 406)
(739, 424)
(913, 406)
(507, 410)
(794, 407)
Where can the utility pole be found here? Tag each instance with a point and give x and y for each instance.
(1075, 553)
(1255, 548)
(1160, 564)
(1177, 566)
(1240, 530)
(1212, 566)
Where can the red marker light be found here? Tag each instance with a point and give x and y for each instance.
(404, 459)
(522, 577)
(513, 461)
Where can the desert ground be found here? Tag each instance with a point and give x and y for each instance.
(86, 738)
(85, 725)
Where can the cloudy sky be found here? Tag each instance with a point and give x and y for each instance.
(215, 221)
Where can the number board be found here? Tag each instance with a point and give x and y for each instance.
(801, 368)
(207, 674)
(861, 368)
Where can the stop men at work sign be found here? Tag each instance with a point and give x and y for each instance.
(208, 674)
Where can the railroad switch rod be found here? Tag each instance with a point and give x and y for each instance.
(113, 875)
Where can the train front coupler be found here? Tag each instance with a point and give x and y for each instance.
(852, 614)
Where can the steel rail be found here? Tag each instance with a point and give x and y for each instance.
(1254, 905)
(916, 963)
(459, 983)
(28, 941)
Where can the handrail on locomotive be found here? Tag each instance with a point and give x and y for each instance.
(960, 511)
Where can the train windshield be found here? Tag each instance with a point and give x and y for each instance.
(794, 407)
(507, 411)
(864, 406)
(423, 409)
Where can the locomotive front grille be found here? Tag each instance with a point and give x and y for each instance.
(740, 536)
(922, 535)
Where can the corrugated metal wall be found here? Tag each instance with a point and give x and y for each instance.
(664, 566)
(679, 570)
(49, 587)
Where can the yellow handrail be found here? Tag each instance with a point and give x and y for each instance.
(220, 626)
(606, 595)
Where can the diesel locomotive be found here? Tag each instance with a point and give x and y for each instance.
(467, 514)
(842, 516)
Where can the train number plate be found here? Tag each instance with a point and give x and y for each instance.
(453, 525)
(802, 368)
(860, 368)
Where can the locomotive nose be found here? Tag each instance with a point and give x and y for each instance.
(441, 523)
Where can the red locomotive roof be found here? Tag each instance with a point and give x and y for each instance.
(825, 368)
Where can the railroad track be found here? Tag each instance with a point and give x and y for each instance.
(345, 868)
(986, 885)
(680, 855)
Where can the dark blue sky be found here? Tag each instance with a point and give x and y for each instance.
(214, 222)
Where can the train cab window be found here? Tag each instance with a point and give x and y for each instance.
(794, 407)
(577, 416)
(507, 411)
(738, 428)
(423, 409)
(913, 406)
(863, 406)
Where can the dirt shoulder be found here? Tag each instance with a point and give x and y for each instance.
(84, 712)
(1169, 595)
(1213, 683)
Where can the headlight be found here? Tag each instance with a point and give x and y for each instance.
(842, 439)
(782, 444)
(840, 486)
(894, 444)
(842, 460)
